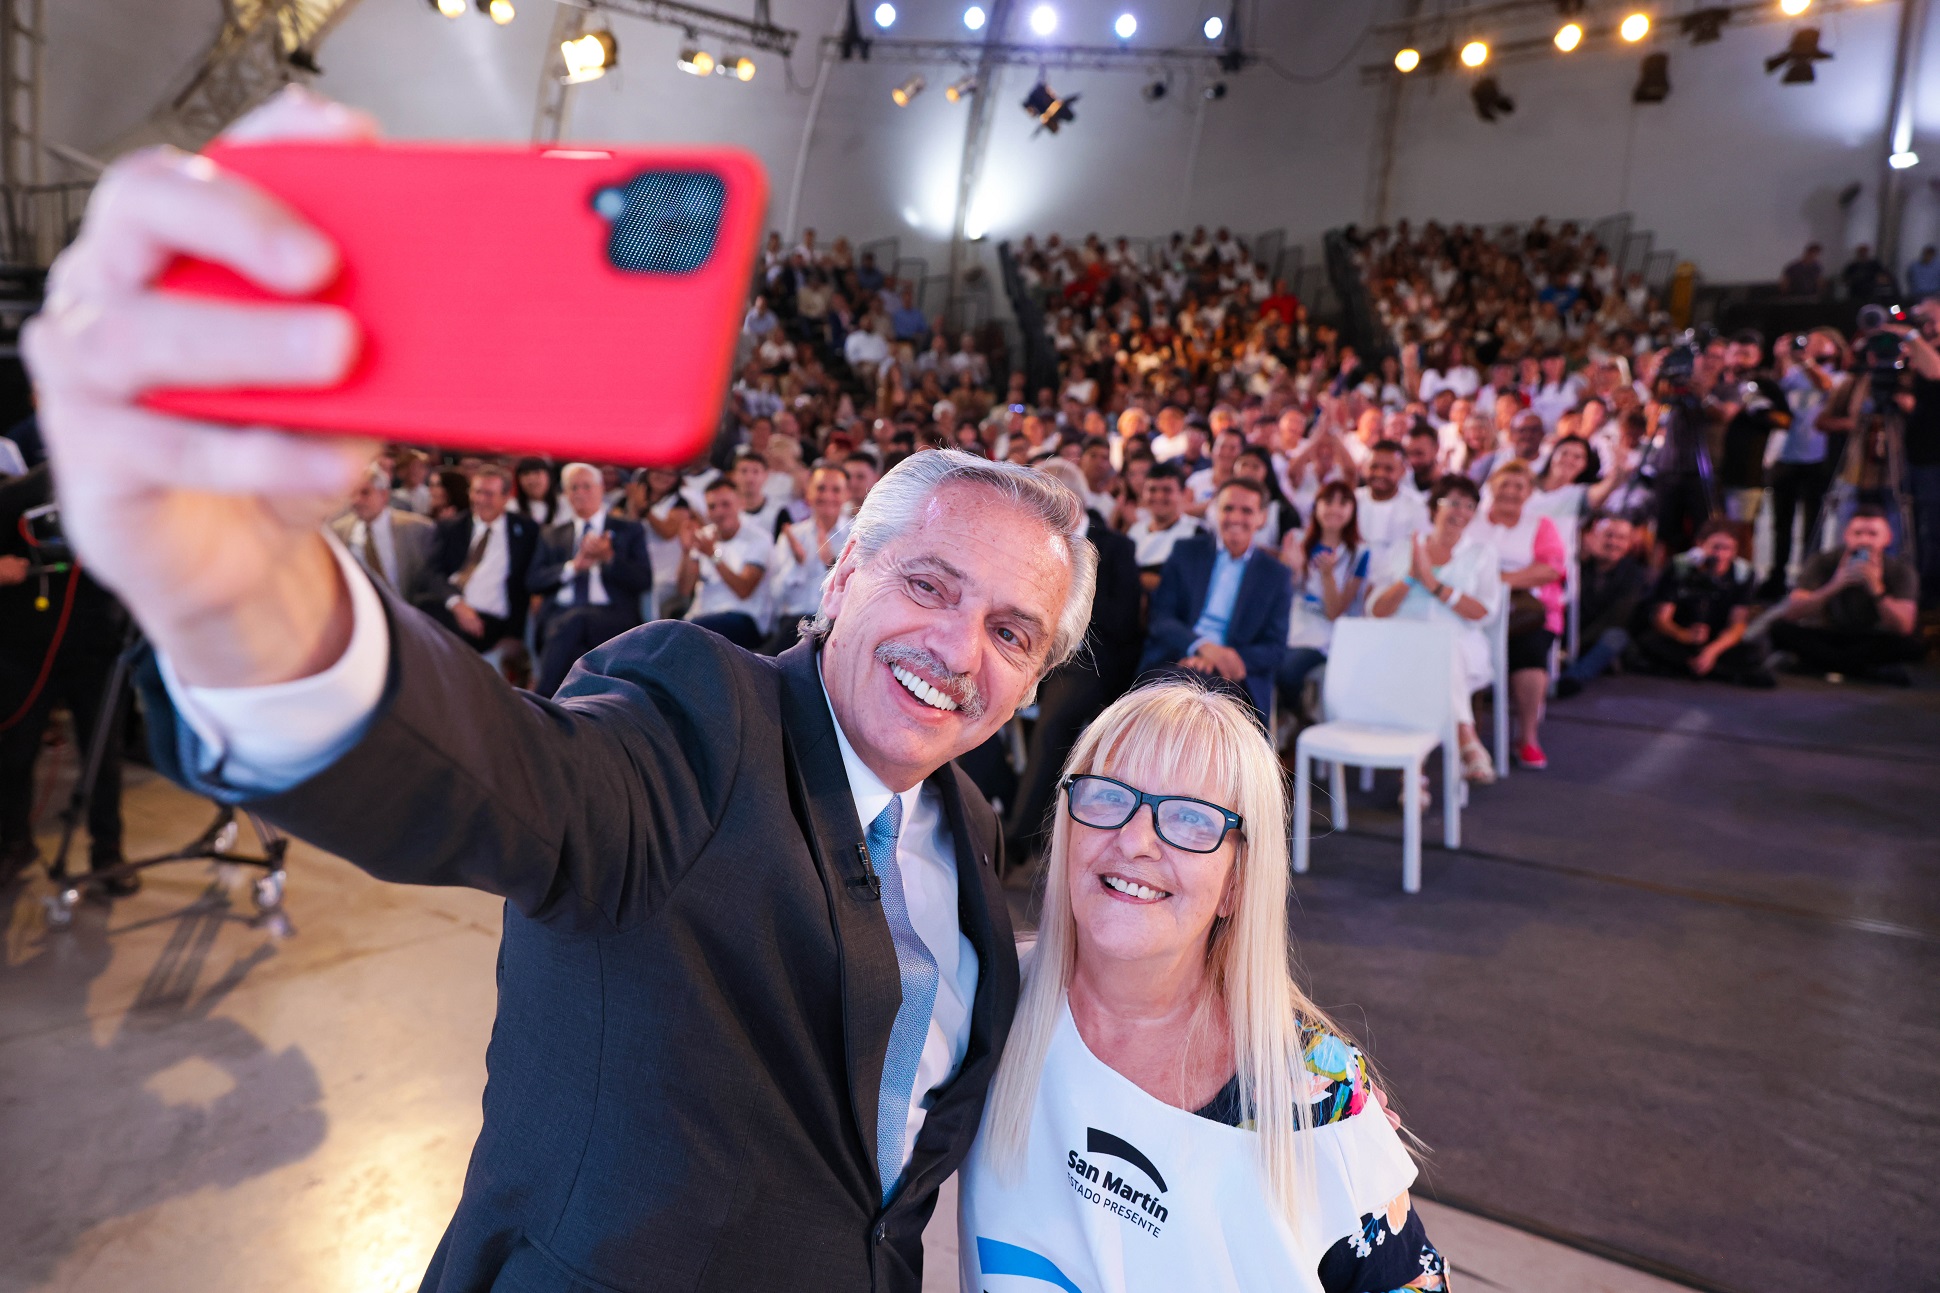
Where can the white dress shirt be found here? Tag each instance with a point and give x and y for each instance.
(267, 739)
(485, 589)
(1384, 523)
(596, 588)
(928, 860)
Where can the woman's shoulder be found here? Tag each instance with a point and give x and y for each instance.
(1336, 1076)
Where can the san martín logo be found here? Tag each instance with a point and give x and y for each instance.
(1104, 1187)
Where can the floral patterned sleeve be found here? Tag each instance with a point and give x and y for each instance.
(1391, 1253)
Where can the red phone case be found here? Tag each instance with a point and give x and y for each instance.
(491, 315)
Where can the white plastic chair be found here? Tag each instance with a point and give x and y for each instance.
(1389, 700)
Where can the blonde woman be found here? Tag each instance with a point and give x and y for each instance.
(1171, 1111)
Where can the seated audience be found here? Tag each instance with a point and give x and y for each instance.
(1611, 583)
(1448, 574)
(589, 573)
(394, 545)
(448, 495)
(1855, 610)
(806, 550)
(1222, 606)
(1164, 523)
(1384, 513)
(1533, 565)
(1571, 486)
(413, 491)
(1329, 564)
(725, 571)
(477, 585)
(1698, 613)
(653, 498)
(535, 495)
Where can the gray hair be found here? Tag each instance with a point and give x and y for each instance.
(572, 469)
(896, 502)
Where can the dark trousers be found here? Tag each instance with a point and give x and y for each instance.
(1069, 699)
(1848, 651)
(1683, 506)
(1743, 663)
(570, 633)
(735, 627)
(80, 677)
(496, 629)
(1798, 491)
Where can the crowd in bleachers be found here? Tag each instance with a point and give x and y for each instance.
(1510, 464)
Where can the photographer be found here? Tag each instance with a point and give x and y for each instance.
(60, 632)
(1896, 367)
(1923, 446)
(1751, 405)
(1676, 458)
(1812, 366)
(1853, 613)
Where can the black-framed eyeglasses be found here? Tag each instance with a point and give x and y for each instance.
(1188, 824)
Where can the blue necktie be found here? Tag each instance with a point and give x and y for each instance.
(912, 1028)
(582, 579)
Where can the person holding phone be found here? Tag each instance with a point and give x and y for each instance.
(756, 968)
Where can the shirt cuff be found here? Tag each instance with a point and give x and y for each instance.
(267, 739)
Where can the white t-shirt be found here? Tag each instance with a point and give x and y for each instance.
(1308, 625)
(1385, 523)
(714, 597)
(663, 554)
(1155, 545)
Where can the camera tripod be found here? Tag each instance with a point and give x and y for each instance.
(1876, 446)
(217, 843)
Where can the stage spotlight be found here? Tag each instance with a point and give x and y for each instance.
(974, 17)
(1044, 20)
(1126, 27)
(885, 14)
(1474, 54)
(1900, 161)
(908, 90)
(1407, 60)
(1635, 27)
(1050, 110)
(1215, 92)
(1215, 27)
(740, 67)
(1654, 82)
(590, 57)
(957, 91)
(1155, 91)
(695, 62)
(1706, 25)
(1569, 36)
(1798, 57)
(1793, 8)
(499, 11)
(449, 8)
(1490, 101)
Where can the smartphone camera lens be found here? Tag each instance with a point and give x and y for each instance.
(662, 222)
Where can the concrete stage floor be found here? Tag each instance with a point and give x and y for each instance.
(1676, 1002)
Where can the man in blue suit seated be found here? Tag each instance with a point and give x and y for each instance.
(588, 573)
(1222, 605)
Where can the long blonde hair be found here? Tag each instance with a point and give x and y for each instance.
(1175, 733)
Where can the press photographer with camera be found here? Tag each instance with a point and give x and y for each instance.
(1892, 394)
(1923, 447)
(1812, 366)
(1853, 613)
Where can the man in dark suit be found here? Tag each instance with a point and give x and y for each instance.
(756, 971)
(1221, 608)
(479, 566)
(1077, 691)
(588, 575)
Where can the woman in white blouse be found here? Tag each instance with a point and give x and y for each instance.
(1570, 487)
(1448, 574)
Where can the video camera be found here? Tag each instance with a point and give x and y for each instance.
(1881, 350)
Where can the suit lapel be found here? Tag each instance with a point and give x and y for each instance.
(872, 985)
